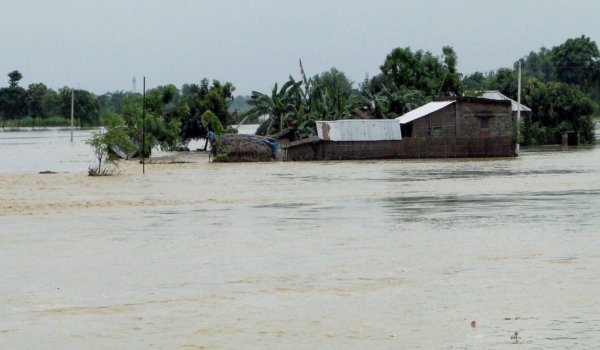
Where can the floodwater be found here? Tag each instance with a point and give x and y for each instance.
(324, 255)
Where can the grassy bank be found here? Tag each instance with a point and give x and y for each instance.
(29, 122)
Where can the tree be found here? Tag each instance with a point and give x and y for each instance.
(334, 80)
(377, 104)
(556, 107)
(474, 82)
(451, 84)
(383, 99)
(14, 78)
(37, 100)
(330, 96)
(423, 72)
(576, 61)
(161, 123)
(12, 98)
(402, 100)
(12, 102)
(504, 80)
(113, 134)
(240, 104)
(210, 121)
(113, 101)
(200, 99)
(539, 65)
(86, 106)
(282, 102)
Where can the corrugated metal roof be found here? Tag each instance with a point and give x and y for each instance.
(359, 130)
(497, 95)
(423, 111)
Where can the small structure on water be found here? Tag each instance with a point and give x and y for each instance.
(447, 128)
(569, 138)
(244, 148)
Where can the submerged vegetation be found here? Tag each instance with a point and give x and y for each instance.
(113, 135)
(561, 85)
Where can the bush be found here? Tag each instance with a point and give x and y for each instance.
(57, 121)
(222, 158)
(115, 134)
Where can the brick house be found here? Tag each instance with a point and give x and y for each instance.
(448, 128)
(463, 117)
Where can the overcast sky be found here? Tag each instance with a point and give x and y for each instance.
(101, 45)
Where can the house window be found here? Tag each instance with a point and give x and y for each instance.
(484, 122)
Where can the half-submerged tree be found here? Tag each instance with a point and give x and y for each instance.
(112, 135)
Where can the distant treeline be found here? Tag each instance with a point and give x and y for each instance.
(561, 85)
(39, 105)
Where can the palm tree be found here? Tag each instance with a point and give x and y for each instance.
(390, 101)
(329, 103)
(282, 103)
(377, 104)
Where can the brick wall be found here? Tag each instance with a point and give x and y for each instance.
(454, 131)
(467, 123)
(418, 147)
(498, 114)
(441, 122)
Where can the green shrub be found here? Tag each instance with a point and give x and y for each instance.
(222, 158)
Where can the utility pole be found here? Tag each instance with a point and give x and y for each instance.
(144, 128)
(72, 111)
(517, 147)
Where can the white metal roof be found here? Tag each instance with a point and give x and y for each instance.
(497, 95)
(359, 130)
(423, 111)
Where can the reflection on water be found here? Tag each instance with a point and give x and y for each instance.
(51, 149)
(377, 254)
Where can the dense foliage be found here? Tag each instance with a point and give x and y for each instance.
(113, 134)
(407, 80)
(561, 85)
(38, 104)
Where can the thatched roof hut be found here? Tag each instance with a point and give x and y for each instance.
(244, 148)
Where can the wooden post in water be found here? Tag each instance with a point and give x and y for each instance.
(72, 111)
(144, 128)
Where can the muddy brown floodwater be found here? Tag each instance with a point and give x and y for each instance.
(323, 255)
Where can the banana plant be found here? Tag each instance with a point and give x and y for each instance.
(283, 103)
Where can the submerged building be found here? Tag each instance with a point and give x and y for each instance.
(456, 127)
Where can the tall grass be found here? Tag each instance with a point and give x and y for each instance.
(29, 122)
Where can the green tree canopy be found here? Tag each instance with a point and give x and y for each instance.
(14, 77)
(576, 61)
(12, 98)
(423, 71)
(37, 100)
(86, 105)
(539, 65)
(201, 98)
(330, 96)
(556, 107)
(333, 80)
